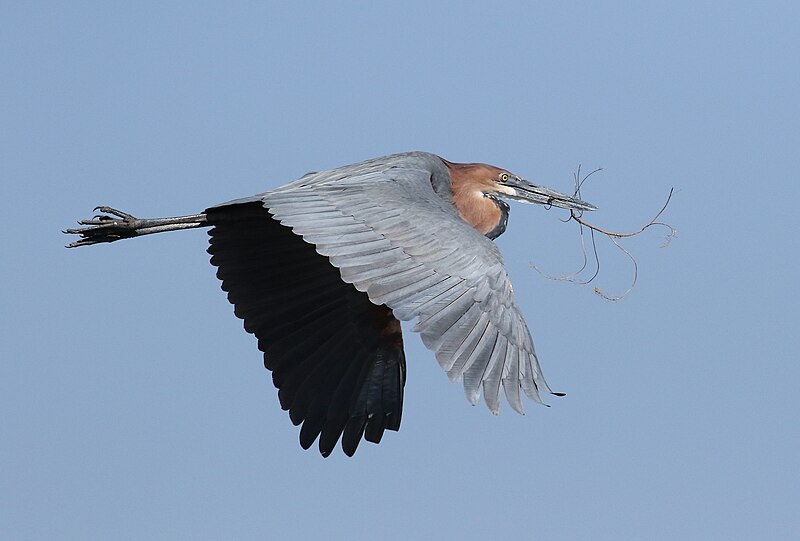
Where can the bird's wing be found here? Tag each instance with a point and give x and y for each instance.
(393, 237)
(336, 358)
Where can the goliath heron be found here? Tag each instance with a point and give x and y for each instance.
(321, 270)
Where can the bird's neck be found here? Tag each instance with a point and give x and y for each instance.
(485, 213)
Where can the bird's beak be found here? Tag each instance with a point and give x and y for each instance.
(521, 190)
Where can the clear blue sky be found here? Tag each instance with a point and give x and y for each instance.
(134, 406)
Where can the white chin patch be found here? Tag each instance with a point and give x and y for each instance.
(508, 190)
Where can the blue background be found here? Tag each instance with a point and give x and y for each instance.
(134, 406)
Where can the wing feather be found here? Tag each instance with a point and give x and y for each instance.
(390, 227)
(321, 337)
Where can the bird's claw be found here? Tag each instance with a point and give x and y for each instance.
(103, 228)
(114, 212)
(99, 219)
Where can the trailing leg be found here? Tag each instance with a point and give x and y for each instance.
(121, 225)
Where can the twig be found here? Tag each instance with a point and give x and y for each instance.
(577, 216)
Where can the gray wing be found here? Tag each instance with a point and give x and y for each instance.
(393, 237)
(336, 358)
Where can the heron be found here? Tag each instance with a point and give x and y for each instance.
(323, 269)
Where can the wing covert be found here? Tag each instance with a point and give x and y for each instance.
(390, 234)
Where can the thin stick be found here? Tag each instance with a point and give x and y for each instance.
(600, 292)
(574, 216)
(614, 236)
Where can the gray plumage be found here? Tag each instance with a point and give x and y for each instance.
(374, 221)
(321, 269)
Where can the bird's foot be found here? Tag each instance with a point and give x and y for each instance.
(104, 228)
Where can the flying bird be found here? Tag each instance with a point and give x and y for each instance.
(323, 269)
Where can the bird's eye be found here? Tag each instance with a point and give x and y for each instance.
(503, 177)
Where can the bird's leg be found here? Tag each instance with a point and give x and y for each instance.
(120, 225)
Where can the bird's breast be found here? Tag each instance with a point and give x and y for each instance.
(486, 214)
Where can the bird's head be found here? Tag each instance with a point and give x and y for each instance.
(491, 181)
(494, 181)
(517, 188)
(478, 191)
